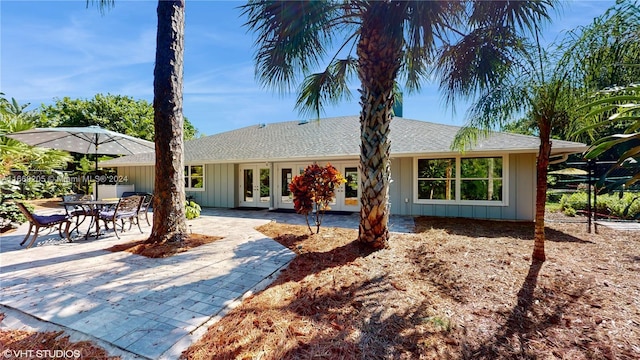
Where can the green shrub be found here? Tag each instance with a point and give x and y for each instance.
(9, 212)
(577, 200)
(554, 196)
(570, 212)
(625, 207)
(192, 210)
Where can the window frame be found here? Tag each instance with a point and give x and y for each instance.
(188, 175)
(458, 181)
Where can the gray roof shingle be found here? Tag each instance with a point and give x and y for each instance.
(337, 137)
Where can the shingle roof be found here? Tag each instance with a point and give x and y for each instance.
(337, 137)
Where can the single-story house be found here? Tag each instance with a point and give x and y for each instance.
(252, 166)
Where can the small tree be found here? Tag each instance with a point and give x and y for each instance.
(313, 191)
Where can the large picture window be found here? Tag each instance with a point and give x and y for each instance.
(436, 179)
(194, 177)
(481, 179)
(460, 179)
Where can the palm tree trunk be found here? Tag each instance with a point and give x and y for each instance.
(542, 165)
(169, 200)
(379, 54)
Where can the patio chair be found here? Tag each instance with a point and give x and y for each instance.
(78, 212)
(43, 222)
(144, 207)
(147, 199)
(126, 210)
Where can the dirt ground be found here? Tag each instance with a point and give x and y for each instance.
(456, 289)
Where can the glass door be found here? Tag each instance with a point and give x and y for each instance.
(347, 198)
(255, 186)
(351, 198)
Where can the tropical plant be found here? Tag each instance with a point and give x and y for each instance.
(9, 212)
(623, 205)
(192, 210)
(608, 51)
(314, 190)
(624, 103)
(602, 54)
(539, 87)
(392, 41)
(543, 86)
(16, 155)
(169, 199)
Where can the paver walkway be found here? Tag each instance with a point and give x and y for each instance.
(142, 308)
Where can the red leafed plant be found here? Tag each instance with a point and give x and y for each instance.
(313, 191)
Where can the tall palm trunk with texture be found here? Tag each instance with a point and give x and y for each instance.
(542, 165)
(379, 55)
(169, 202)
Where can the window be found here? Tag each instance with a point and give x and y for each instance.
(436, 179)
(460, 179)
(194, 177)
(481, 179)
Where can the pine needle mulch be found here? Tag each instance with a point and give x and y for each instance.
(163, 250)
(21, 344)
(457, 289)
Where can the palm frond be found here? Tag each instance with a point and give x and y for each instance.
(467, 137)
(604, 144)
(103, 5)
(477, 61)
(292, 38)
(491, 111)
(327, 87)
(526, 15)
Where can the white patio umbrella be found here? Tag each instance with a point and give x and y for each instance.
(84, 140)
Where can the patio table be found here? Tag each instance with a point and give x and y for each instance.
(92, 208)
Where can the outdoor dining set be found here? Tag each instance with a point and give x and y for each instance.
(131, 208)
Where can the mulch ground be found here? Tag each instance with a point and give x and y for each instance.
(456, 289)
(164, 250)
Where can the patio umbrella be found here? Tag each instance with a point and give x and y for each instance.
(84, 140)
(569, 171)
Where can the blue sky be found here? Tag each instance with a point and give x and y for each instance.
(53, 49)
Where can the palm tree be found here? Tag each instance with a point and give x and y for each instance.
(169, 199)
(546, 87)
(540, 89)
(392, 40)
(537, 86)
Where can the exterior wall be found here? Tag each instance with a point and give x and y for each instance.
(221, 190)
(142, 176)
(220, 183)
(521, 193)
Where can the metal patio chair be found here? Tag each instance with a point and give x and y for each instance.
(43, 222)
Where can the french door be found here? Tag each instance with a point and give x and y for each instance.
(347, 195)
(255, 186)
